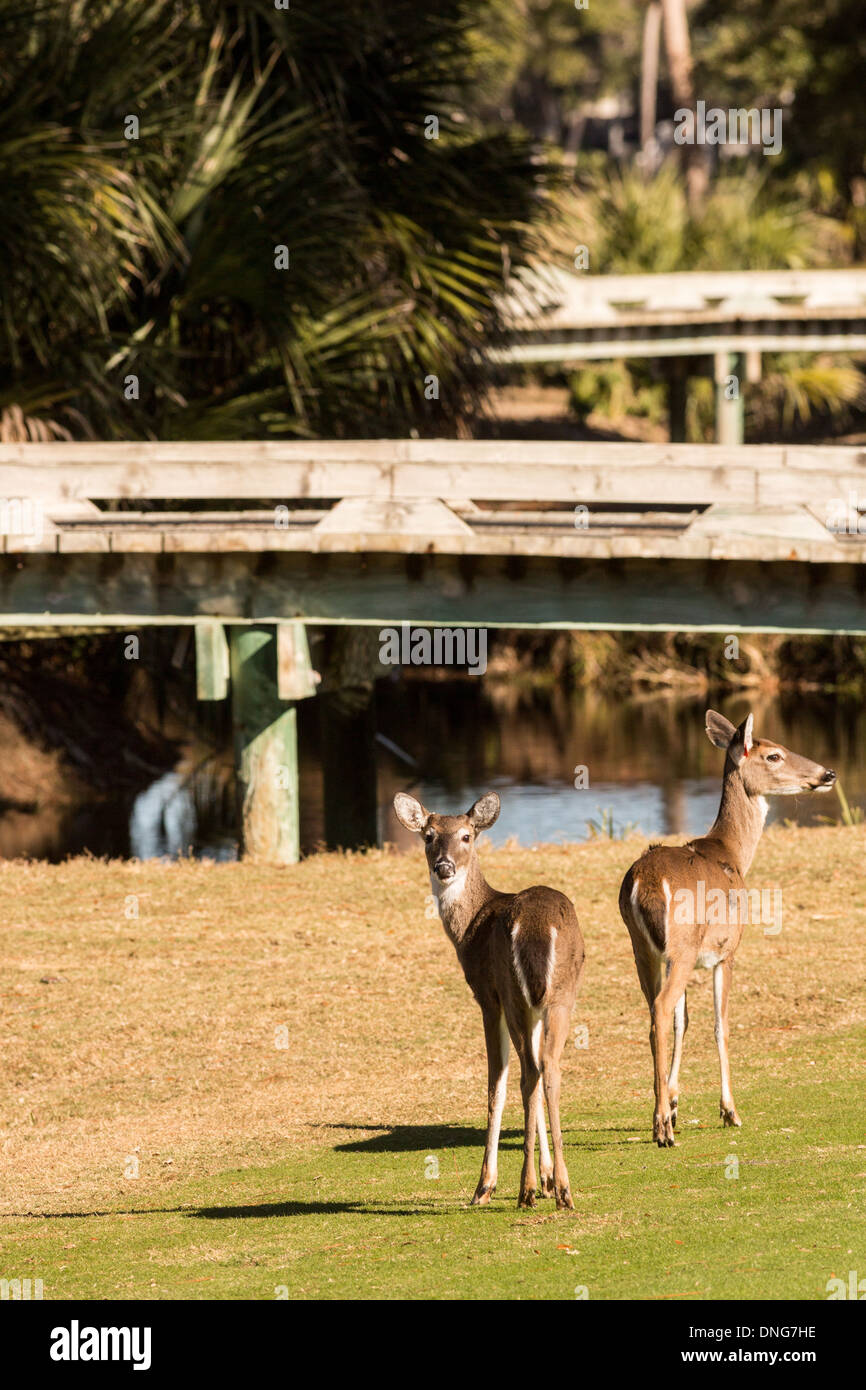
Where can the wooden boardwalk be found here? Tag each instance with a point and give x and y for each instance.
(440, 497)
(443, 533)
(559, 315)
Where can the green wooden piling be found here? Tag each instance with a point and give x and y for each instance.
(211, 661)
(730, 378)
(266, 749)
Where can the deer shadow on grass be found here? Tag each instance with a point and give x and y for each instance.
(315, 1207)
(420, 1138)
(406, 1139)
(323, 1208)
(427, 1138)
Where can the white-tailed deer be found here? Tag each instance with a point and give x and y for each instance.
(522, 955)
(686, 906)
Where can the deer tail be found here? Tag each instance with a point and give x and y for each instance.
(534, 955)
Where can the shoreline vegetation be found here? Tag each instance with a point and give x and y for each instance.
(648, 663)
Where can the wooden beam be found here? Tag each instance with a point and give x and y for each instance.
(266, 750)
(403, 470)
(211, 661)
(556, 297)
(296, 679)
(591, 346)
(730, 379)
(665, 592)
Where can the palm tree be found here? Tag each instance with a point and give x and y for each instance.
(157, 157)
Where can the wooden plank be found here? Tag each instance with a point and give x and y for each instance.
(78, 541)
(417, 516)
(561, 297)
(407, 469)
(678, 474)
(556, 533)
(296, 679)
(788, 524)
(633, 592)
(586, 348)
(211, 661)
(668, 539)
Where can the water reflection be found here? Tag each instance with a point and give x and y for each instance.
(163, 820)
(648, 763)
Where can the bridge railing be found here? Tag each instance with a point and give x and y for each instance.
(73, 477)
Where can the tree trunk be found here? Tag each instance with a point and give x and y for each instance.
(649, 78)
(679, 56)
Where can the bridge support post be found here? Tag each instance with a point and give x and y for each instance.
(266, 746)
(211, 661)
(677, 377)
(348, 731)
(730, 376)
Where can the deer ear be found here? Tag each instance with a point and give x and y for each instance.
(720, 730)
(410, 812)
(741, 743)
(485, 811)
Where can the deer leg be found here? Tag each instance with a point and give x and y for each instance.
(662, 1011)
(555, 1034)
(681, 1023)
(721, 993)
(498, 1042)
(546, 1162)
(530, 1078)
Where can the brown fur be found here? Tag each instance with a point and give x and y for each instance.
(505, 943)
(668, 939)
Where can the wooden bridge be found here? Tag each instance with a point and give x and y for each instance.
(251, 542)
(559, 315)
(496, 533)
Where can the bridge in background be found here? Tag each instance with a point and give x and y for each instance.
(249, 543)
(732, 316)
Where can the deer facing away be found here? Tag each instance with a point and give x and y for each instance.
(683, 905)
(522, 955)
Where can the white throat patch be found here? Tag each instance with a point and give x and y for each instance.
(448, 894)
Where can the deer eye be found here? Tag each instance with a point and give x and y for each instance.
(465, 837)
(428, 837)
(774, 757)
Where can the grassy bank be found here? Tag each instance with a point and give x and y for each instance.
(286, 1057)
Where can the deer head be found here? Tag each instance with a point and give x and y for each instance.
(449, 841)
(766, 768)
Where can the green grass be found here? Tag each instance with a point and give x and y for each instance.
(301, 1164)
(357, 1218)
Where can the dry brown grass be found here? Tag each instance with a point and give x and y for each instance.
(156, 1034)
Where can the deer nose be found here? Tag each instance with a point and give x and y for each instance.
(444, 868)
(829, 777)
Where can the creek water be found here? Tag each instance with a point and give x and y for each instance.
(639, 762)
(644, 763)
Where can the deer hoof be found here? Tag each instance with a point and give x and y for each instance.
(563, 1200)
(730, 1118)
(547, 1185)
(483, 1195)
(673, 1114)
(526, 1200)
(663, 1131)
